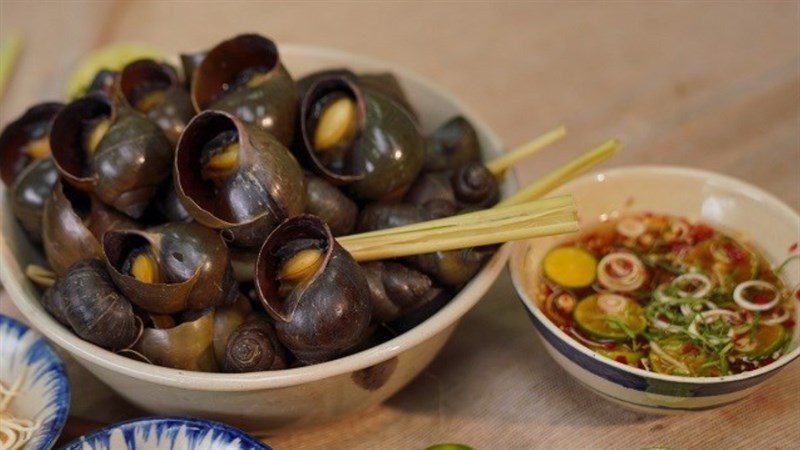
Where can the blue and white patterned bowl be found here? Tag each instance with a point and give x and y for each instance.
(766, 222)
(44, 392)
(167, 433)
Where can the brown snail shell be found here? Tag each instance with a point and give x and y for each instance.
(332, 205)
(172, 110)
(189, 63)
(254, 347)
(130, 162)
(326, 313)
(395, 289)
(226, 320)
(33, 125)
(384, 156)
(87, 300)
(387, 84)
(265, 187)
(469, 186)
(72, 224)
(30, 192)
(169, 205)
(223, 81)
(453, 268)
(429, 304)
(450, 268)
(188, 346)
(453, 144)
(193, 263)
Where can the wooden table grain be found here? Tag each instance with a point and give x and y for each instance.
(710, 84)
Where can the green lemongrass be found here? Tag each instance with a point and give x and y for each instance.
(492, 226)
(9, 52)
(500, 164)
(480, 225)
(564, 173)
(465, 219)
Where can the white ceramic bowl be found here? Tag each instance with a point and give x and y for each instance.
(43, 395)
(715, 199)
(260, 402)
(167, 433)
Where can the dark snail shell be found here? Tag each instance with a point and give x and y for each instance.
(305, 83)
(224, 81)
(469, 186)
(254, 347)
(383, 158)
(379, 216)
(243, 261)
(226, 320)
(387, 84)
(326, 313)
(395, 289)
(104, 82)
(29, 193)
(73, 223)
(381, 82)
(32, 127)
(331, 205)
(192, 262)
(265, 187)
(188, 346)
(171, 110)
(429, 304)
(453, 268)
(450, 268)
(453, 144)
(132, 158)
(189, 63)
(475, 186)
(87, 300)
(432, 187)
(169, 204)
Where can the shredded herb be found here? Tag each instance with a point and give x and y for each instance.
(779, 269)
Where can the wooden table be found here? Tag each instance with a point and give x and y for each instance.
(708, 85)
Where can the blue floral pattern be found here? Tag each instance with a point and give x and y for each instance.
(44, 393)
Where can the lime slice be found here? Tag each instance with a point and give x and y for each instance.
(570, 267)
(111, 57)
(769, 339)
(593, 319)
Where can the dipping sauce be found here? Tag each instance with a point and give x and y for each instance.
(668, 295)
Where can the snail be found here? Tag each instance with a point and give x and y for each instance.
(112, 151)
(236, 178)
(313, 289)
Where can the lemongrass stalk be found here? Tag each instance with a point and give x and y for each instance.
(404, 245)
(9, 52)
(40, 275)
(480, 224)
(543, 205)
(500, 164)
(485, 225)
(564, 173)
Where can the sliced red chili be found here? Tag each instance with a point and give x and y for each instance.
(701, 232)
(735, 253)
(621, 359)
(762, 298)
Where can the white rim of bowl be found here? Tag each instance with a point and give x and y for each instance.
(206, 381)
(520, 249)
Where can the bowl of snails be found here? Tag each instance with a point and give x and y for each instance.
(214, 235)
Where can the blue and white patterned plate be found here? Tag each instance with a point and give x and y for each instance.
(44, 393)
(167, 433)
